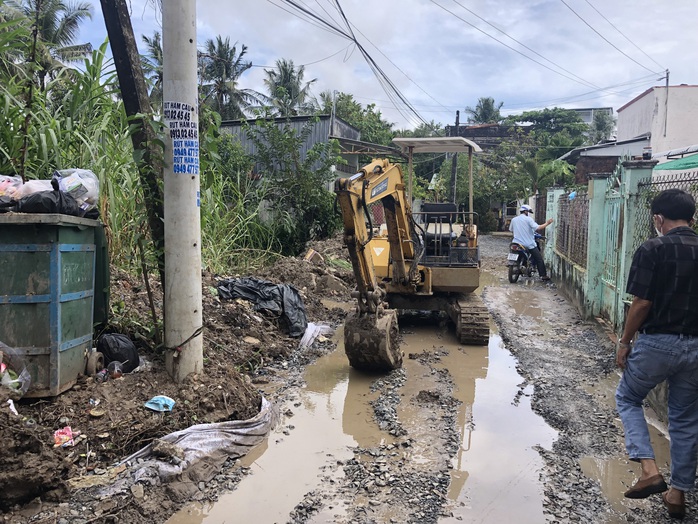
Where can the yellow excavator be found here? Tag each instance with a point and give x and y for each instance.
(405, 260)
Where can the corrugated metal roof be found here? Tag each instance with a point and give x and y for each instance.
(451, 144)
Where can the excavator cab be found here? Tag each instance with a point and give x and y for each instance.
(422, 260)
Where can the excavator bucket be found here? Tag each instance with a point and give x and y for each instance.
(371, 342)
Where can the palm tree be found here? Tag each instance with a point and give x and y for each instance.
(222, 66)
(152, 66)
(486, 111)
(601, 128)
(287, 92)
(57, 26)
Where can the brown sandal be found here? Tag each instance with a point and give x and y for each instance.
(676, 511)
(644, 488)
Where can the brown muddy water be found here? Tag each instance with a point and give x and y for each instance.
(497, 460)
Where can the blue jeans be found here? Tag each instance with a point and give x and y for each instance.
(653, 359)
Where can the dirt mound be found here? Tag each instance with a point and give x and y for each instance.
(109, 419)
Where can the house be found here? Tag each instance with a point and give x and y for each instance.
(669, 114)
(657, 123)
(602, 158)
(587, 113)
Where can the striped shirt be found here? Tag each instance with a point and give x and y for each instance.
(665, 271)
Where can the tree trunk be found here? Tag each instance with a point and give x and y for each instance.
(149, 156)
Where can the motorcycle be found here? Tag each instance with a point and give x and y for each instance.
(520, 261)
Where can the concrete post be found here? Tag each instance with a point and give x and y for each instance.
(595, 257)
(551, 209)
(183, 302)
(633, 172)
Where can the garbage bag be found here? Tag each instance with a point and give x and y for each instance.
(17, 382)
(118, 348)
(48, 202)
(280, 299)
(82, 184)
(9, 185)
(31, 187)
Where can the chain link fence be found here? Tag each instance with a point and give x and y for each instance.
(648, 189)
(572, 229)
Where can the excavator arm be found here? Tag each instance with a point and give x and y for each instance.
(378, 181)
(371, 333)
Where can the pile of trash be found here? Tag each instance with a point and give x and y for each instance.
(14, 376)
(69, 192)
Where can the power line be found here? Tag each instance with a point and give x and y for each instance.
(641, 80)
(606, 39)
(623, 35)
(388, 86)
(511, 48)
(590, 84)
(398, 68)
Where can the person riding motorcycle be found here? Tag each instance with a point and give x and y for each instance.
(524, 228)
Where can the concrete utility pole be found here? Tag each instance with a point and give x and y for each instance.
(454, 163)
(183, 318)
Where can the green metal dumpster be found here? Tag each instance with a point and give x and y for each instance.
(47, 295)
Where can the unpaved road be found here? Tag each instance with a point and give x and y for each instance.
(417, 445)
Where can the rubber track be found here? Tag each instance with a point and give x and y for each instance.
(474, 326)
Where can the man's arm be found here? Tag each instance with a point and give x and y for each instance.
(544, 224)
(639, 309)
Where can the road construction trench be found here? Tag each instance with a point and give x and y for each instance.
(332, 414)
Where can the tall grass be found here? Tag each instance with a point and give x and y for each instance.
(234, 239)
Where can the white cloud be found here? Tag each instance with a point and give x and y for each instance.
(442, 64)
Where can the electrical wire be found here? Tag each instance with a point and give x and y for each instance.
(510, 47)
(398, 68)
(590, 84)
(388, 86)
(623, 35)
(607, 40)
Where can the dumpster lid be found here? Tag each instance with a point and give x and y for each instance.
(46, 218)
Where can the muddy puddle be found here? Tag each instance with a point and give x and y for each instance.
(616, 475)
(496, 460)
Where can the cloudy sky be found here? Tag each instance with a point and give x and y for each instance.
(442, 55)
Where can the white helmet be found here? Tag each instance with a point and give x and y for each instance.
(526, 207)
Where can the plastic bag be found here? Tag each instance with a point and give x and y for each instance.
(31, 187)
(119, 348)
(49, 202)
(312, 332)
(82, 184)
(9, 185)
(10, 360)
(280, 299)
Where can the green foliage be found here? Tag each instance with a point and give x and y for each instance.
(301, 205)
(235, 163)
(289, 95)
(221, 67)
(487, 191)
(367, 120)
(485, 112)
(58, 24)
(233, 235)
(601, 127)
(432, 129)
(552, 121)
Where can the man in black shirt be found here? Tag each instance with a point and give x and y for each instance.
(664, 313)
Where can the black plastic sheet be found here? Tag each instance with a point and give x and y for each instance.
(279, 299)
